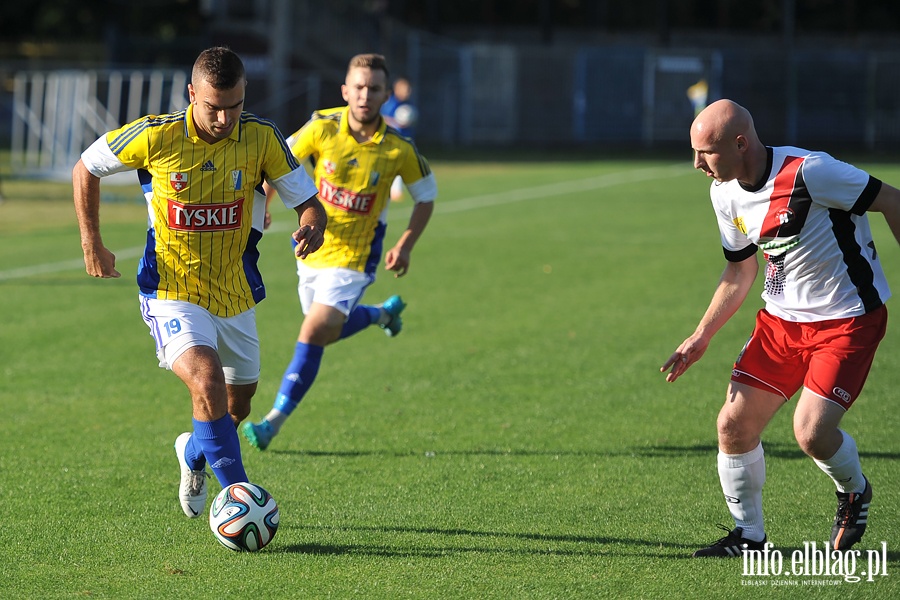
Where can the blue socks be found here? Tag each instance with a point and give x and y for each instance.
(360, 318)
(298, 377)
(218, 442)
(304, 367)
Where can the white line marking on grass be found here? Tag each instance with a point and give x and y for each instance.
(465, 204)
(66, 265)
(564, 187)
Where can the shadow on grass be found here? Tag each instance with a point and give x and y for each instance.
(597, 545)
(772, 449)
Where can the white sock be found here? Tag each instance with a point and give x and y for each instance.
(742, 477)
(276, 419)
(844, 468)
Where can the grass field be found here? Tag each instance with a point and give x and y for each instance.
(516, 441)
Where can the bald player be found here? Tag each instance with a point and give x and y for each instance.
(824, 313)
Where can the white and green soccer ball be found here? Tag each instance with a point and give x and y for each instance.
(244, 517)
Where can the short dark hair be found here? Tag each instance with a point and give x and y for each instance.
(376, 62)
(220, 67)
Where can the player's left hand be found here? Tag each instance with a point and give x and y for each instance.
(689, 352)
(397, 260)
(309, 239)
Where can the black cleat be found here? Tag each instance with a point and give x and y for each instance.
(730, 546)
(850, 520)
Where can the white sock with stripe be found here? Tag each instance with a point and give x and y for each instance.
(844, 468)
(742, 477)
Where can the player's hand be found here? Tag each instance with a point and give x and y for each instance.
(309, 239)
(397, 261)
(100, 262)
(689, 352)
(267, 221)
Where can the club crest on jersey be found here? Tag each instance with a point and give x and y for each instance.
(345, 199)
(784, 215)
(329, 167)
(237, 178)
(178, 181)
(739, 223)
(205, 217)
(353, 162)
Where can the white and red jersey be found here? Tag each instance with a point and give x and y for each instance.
(808, 216)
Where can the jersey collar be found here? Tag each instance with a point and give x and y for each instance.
(377, 137)
(190, 130)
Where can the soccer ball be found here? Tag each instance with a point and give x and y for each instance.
(244, 516)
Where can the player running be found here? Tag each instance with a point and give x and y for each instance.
(202, 172)
(824, 311)
(356, 157)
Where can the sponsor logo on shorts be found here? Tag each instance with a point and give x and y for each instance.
(842, 394)
(205, 217)
(345, 199)
(732, 500)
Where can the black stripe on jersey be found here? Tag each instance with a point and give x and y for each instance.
(799, 205)
(858, 268)
(740, 255)
(867, 197)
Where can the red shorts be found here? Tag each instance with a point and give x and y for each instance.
(829, 358)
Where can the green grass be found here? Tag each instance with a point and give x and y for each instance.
(516, 441)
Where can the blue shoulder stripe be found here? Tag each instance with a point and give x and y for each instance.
(135, 129)
(251, 118)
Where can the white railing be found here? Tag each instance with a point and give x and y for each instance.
(57, 114)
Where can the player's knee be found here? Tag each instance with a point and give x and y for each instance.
(239, 413)
(732, 432)
(815, 442)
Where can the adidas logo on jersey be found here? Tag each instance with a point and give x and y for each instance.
(208, 166)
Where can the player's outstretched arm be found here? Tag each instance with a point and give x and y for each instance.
(311, 235)
(397, 258)
(98, 260)
(735, 284)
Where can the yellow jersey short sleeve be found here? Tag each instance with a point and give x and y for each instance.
(354, 181)
(206, 206)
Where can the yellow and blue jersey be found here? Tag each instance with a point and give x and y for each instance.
(354, 182)
(206, 206)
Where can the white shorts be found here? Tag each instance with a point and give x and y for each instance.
(176, 326)
(342, 289)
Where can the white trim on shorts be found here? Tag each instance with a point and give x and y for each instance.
(176, 326)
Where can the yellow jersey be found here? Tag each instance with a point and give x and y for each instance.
(205, 203)
(354, 182)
